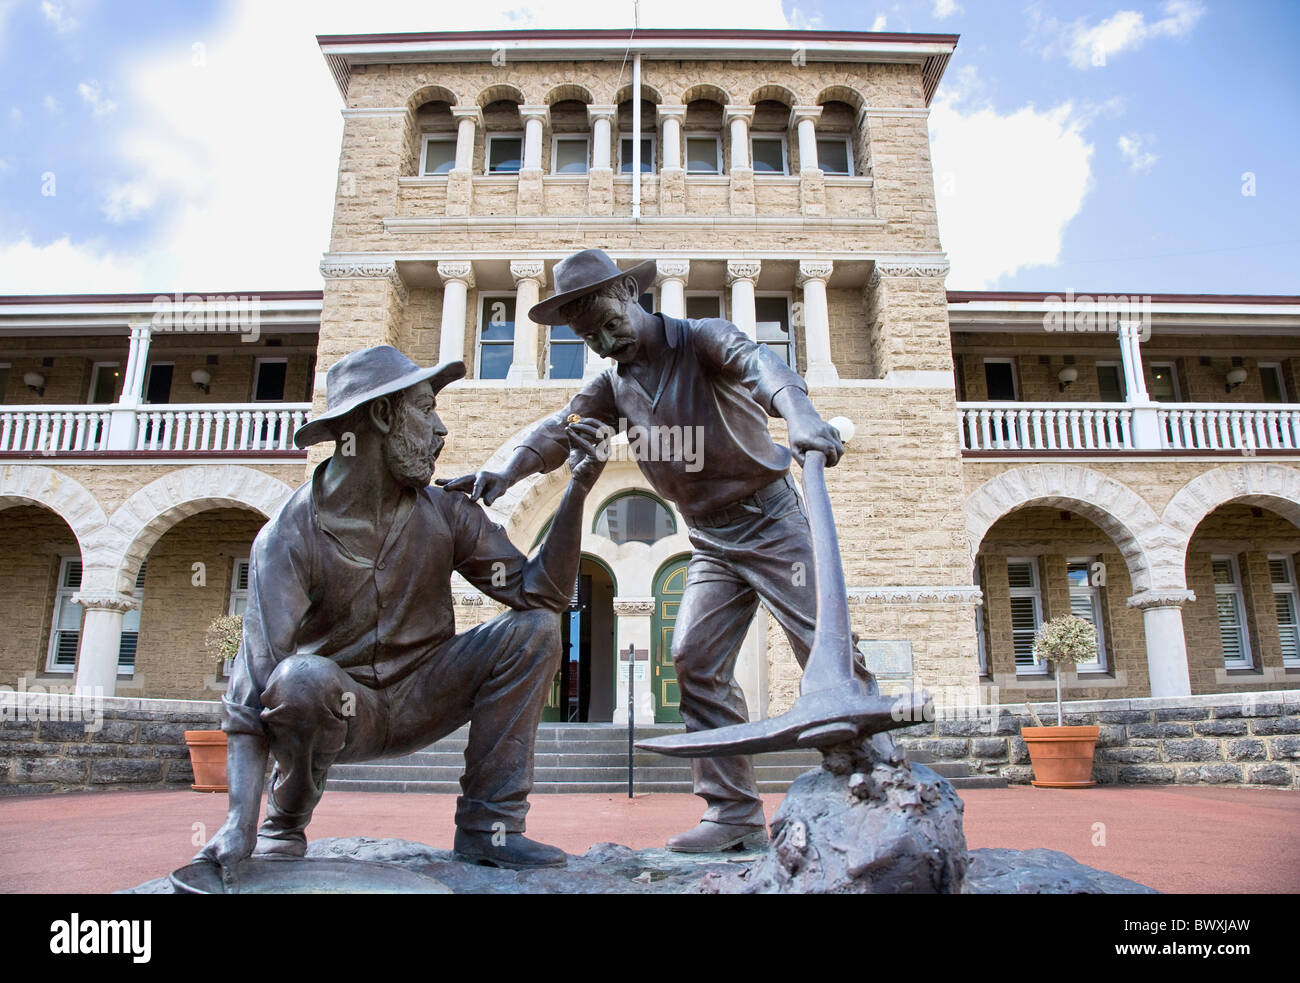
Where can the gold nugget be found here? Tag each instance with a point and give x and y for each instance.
(574, 418)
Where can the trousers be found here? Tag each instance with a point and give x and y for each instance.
(494, 676)
(762, 550)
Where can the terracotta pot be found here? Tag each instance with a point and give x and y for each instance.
(208, 759)
(1062, 756)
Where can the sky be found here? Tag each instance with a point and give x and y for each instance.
(1135, 146)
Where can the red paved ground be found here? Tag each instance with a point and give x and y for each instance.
(1195, 840)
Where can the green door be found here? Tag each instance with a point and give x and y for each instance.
(668, 595)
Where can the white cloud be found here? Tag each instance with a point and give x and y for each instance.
(1007, 184)
(15, 114)
(879, 23)
(93, 95)
(62, 21)
(946, 8)
(51, 103)
(1139, 161)
(235, 169)
(1087, 45)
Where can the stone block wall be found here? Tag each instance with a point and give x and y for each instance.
(1246, 739)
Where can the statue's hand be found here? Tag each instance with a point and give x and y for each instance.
(590, 442)
(809, 432)
(233, 842)
(485, 485)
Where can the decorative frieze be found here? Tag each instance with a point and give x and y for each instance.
(634, 607)
(1161, 599)
(949, 594)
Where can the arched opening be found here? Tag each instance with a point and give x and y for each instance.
(1037, 563)
(839, 150)
(41, 572)
(704, 137)
(432, 151)
(771, 150)
(651, 159)
(583, 690)
(570, 138)
(669, 585)
(503, 137)
(1243, 629)
(634, 517)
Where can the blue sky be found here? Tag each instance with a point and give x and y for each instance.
(1092, 146)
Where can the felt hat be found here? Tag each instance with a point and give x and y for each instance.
(584, 273)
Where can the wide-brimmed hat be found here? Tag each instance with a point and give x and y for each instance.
(365, 375)
(584, 273)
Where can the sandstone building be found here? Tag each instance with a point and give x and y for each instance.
(1142, 470)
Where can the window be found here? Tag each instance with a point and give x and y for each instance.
(65, 632)
(1085, 603)
(1232, 613)
(505, 153)
(569, 155)
(703, 153)
(566, 353)
(1286, 601)
(625, 154)
(635, 518)
(1000, 379)
(1164, 382)
(835, 155)
(105, 379)
(496, 336)
(439, 155)
(1026, 613)
(768, 154)
(1110, 382)
(700, 306)
(158, 384)
(268, 380)
(772, 315)
(1270, 375)
(981, 643)
(131, 628)
(4, 380)
(238, 600)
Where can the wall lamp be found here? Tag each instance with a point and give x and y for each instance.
(35, 382)
(202, 379)
(1067, 376)
(1234, 378)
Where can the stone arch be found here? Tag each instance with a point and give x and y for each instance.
(33, 484)
(1114, 507)
(648, 94)
(841, 93)
(569, 90)
(502, 91)
(430, 93)
(706, 90)
(775, 92)
(141, 520)
(1273, 486)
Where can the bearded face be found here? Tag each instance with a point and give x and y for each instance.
(412, 445)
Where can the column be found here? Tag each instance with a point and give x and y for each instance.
(528, 275)
(457, 277)
(1147, 432)
(530, 174)
(742, 174)
(741, 275)
(137, 359)
(812, 278)
(460, 180)
(101, 639)
(670, 278)
(1162, 621)
(672, 179)
(600, 181)
(634, 629)
(805, 121)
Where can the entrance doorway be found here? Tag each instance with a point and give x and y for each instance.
(583, 689)
(669, 585)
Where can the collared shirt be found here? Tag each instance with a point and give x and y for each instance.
(703, 436)
(378, 618)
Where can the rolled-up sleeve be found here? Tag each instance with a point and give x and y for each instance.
(278, 598)
(484, 555)
(549, 440)
(735, 355)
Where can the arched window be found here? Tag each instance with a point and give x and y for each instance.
(635, 518)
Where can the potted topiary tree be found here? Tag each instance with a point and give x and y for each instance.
(1062, 756)
(208, 747)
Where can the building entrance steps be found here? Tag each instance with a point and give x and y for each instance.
(593, 758)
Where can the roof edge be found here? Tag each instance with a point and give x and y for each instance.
(14, 300)
(1029, 296)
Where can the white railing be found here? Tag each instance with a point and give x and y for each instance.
(1045, 426)
(1214, 426)
(53, 429)
(245, 427)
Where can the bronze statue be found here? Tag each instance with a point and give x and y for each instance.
(349, 649)
(747, 525)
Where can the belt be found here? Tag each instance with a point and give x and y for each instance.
(739, 509)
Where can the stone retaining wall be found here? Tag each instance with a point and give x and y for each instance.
(68, 744)
(1237, 739)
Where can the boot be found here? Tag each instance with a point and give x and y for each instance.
(511, 850)
(282, 834)
(711, 837)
